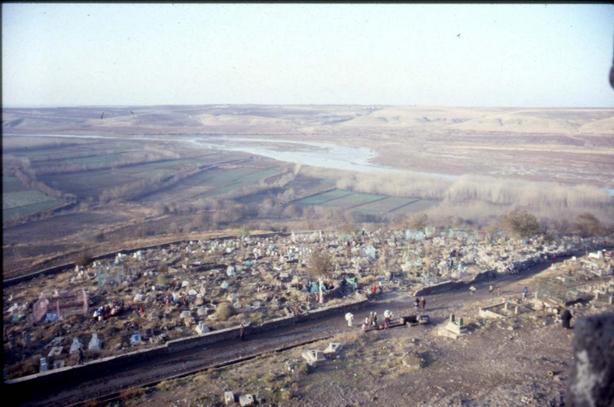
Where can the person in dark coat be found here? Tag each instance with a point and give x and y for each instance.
(423, 303)
(566, 319)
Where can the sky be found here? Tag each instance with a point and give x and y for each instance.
(370, 54)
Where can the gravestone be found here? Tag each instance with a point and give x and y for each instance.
(201, 328)
(43, 365)
(58, 364)
(246, 400)
(94, 344)
(229, 397)
(312, 357)
(75, 346)
(332, 348)
(55, 351)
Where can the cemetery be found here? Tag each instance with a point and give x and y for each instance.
(149, 297)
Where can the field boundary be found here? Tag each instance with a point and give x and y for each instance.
(311, 195)
(404, 205)
(366, 203)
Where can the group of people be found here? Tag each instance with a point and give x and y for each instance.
(420, 303)
(371, 320)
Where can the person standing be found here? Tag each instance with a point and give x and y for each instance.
(387, 318)
(81, 356)
(242, 331)
(366, 324)
(525, 292)
(423, 303)
(566, 319)
(349, 317)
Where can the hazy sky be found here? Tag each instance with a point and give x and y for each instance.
(463, 55)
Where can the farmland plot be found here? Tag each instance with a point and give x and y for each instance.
(366, 204)
(392, 206)
(340, 198)
(11, 184)
(223, 181)
(11, 214)
(86, 184)
(416, 206)
(323, 197)
(389, 204)
(65, 152)
(353, 200)
(19, 201)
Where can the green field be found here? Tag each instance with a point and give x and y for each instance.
(86, 184)
(19, 201)
(321, 198)
(89, 160)
(22, 211)
(389, 204)
(364, 203)
(12, 184)
(223, 181)
(339, 198)
(23, 198)
(353, 200)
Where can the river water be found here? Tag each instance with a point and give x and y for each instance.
(309, 153)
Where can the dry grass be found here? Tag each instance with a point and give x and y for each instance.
(131, 393)
(224, 311)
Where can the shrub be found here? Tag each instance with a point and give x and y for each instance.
(320, 263)
(83, 259)
(224, 311)
(520, 223)
(588, 225)
(418, 221)
(162, 280)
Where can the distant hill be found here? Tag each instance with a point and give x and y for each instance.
(311, 119)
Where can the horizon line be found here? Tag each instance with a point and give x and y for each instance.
(88, 106)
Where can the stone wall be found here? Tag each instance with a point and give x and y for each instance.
(50, 381)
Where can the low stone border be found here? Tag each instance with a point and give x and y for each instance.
(73, 375)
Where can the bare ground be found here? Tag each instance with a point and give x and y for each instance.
(493, 366)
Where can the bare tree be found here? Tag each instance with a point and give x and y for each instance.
(520, 223)
(418, 221)
(588, 225)
(320, 266)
